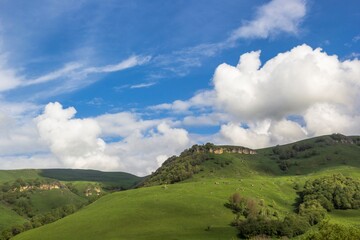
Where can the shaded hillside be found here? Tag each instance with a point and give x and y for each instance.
(314, 154)
(116, 180)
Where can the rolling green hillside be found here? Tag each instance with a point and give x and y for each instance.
(193, 207)
(30, 198)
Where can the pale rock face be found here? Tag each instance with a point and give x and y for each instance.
(91, 190)
(44, 187)
(226, 149)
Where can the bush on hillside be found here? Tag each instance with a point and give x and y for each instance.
(333, 192)
(313, 211)
(328, 231)
(254, 218)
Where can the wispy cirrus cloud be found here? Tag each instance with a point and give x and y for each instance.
(356, 38)
(271, 19)
(127, 63)
(143, 85)
(10, 79)
(275, 17)
(67, 70)
(135, 86)
(73, 75)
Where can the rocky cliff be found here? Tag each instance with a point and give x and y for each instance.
(211, 148)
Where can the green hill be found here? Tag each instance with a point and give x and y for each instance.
(12, 175)
(203, 180)
(30, 198)
(109, 180)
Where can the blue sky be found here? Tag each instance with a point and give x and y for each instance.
(122, 85)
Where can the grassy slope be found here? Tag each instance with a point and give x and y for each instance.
(184, 210)
(45, 201)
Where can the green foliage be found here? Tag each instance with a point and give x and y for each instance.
(39, 220)
(333, 192)
(309, 154)
(254, 218)
(297, 150)
(191, 161)
(330, 231)
(177, 169)
(27, 199)
(313, 211)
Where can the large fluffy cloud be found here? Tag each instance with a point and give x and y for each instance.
(289, 83)
(143, 152)
(18, 132)
(134, 145)
(300, 93)
(74, 142)
(319, 88)
(263, 133)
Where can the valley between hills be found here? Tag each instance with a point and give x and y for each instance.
(304, 190)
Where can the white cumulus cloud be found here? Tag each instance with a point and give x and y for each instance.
(143, 152)
(301, 93)
(75, 142)
(287, 84)
(134, 145)
(305, 82)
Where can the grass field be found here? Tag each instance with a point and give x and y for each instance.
(194, 208)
